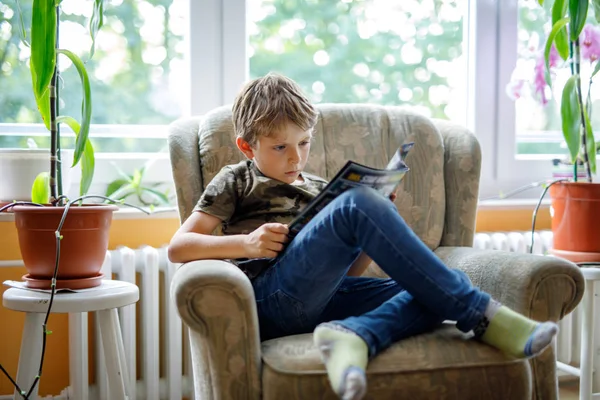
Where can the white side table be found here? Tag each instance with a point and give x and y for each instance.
(103, 300)
(591, 273)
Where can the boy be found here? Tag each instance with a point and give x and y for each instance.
(315, 283)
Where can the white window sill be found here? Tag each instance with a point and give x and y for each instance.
(511, 204)
(125, 213)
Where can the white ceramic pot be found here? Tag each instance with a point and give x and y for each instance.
(19, 167)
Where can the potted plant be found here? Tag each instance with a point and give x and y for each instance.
(575, 198)
(53, 231)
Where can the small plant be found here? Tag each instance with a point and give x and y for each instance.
(132, 185)
(569, 42)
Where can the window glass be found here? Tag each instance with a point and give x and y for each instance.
(137, 73)
(367, 51)
(538, 122)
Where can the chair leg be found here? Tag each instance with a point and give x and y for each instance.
(114, 355)
(29, 357)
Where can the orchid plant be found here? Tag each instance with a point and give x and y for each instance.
(571, 42)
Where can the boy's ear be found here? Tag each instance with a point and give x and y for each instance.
(244, 147)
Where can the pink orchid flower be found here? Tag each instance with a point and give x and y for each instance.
(590, 43)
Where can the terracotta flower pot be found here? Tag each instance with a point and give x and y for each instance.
(576, 220)
(82, 248)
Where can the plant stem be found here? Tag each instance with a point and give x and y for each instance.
(57, 88)
(54, 161)
(572, 67)
(583, 149)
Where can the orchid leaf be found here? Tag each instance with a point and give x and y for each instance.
(578, 10)
(86, 106)
(596, 69)
(23, 31)
(161, 197)
(571, 113)
(40, 190)
(96, 23)
(43, 54)
(559, 9)
(114, 186)
(88, 161)
(589, 133)
(596, 7)
(555, 29)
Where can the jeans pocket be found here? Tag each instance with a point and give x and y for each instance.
(280, 314)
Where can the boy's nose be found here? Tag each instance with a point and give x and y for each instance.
(294, 157)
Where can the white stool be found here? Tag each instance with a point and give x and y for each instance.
(104, 300)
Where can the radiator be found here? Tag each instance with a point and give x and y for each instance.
(568, 341)
(161, 336)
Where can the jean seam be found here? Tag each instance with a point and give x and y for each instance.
(470, 308)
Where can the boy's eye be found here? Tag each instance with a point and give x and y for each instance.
(305, 143)
(279, 148)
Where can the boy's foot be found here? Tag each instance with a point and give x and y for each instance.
(345, 356)
(514, 333)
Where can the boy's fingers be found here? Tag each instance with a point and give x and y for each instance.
(278, 228)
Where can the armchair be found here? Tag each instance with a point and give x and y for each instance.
(438, 199)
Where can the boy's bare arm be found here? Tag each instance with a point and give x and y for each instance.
(193, 241)
(360, 265)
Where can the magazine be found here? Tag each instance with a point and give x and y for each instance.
(352, 175)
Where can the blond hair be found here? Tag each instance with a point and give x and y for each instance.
(266, 104)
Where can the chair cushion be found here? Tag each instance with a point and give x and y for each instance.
(443, 364)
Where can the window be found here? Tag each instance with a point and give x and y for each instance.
(379, 52)
(158, 60)
(538, 123)
(138, 75)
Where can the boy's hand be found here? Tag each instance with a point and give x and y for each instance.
(393, 196)
(266, 241)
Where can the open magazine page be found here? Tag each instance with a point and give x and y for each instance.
(352, 175)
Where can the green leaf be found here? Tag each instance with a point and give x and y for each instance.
(88, 160)
(555, 29)
(23, 31)
(596, 69)
(159, 195)
(589, 132)
(114, 186)
(40, 190)
(571, 117)
(578, 9)
(596, 6)
(96, 23)
(590, 142)
(88, 164)
(123, 192)
(125, 176)
(559, 9)
(137, 178)
(43, 53)
(86, 106)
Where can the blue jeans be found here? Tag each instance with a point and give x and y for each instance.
(308, 283)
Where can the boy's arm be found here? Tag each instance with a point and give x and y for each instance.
(194, 241)
(360, 265)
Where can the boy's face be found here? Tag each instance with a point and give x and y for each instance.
(281, 156)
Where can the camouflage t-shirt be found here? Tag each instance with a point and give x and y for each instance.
(244, 199)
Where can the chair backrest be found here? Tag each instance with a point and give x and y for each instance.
(368, 134)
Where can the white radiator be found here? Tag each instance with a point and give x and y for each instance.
(568, 341)
(161, 336)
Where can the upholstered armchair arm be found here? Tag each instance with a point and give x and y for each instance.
(216, 301)
(542, 288)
